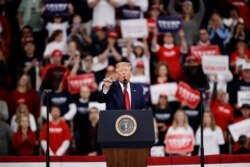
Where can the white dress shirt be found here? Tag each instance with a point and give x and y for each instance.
(128, 89)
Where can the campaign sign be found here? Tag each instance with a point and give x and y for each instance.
(56, 8)
(75, 83)
(134, 28)
(243, 97)
(151, 24)
(169, 89)
(199, 51)
(176, 143)
(157, 151)
(240, 128)
(170, 24)
(100, 106)
(215, 65)
(187, 95)
(240, 62)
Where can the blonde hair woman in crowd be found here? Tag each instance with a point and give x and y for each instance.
(22, 110)
(213, 135)
(180, 132)
(24, 140)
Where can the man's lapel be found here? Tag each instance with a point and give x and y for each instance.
(119, 93)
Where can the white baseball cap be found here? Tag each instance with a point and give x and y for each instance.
(246, 66)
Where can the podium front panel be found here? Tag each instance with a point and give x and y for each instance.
(108, 136)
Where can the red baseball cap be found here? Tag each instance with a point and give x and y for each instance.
(112, 34)
(57, 53)
(140, 64)
(191, 58)
(99, 28)
(27, 40)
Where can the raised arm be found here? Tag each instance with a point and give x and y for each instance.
(184, 47)
(102, 96)
(146, 49)
(93, 3)
(114, 3)
(154, 44)
(199, 15)
(171, 8)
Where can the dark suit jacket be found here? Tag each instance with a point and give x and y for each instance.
(114, 99)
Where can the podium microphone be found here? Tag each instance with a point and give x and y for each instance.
(125, 83)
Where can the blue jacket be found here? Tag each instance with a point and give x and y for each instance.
(114, 99)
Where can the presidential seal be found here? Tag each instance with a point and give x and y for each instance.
(125, 125)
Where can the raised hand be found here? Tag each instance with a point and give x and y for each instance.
(107, 82)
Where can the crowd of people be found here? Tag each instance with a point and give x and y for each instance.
(86, 38)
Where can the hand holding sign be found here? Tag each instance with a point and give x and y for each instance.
(240, 128)
(243, 97)
(218, 65)
(188, 95)
(170, 24)
(76, 82)
(134, 28)
(179, 143)
(56, 8)
(199, 51)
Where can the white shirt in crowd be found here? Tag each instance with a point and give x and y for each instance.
(133, 59)
(181, 131)
(50, 47)
(212, 140)
(51, 27)
(103, 14)
(14, 125)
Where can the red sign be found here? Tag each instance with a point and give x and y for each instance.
(151, 23)
(187, 95)
(176, 143)
(199, 51)
(75, 83)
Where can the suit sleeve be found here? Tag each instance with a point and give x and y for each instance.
(102, 97)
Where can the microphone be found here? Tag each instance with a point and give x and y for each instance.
(125, 83)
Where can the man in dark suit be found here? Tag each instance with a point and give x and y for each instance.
(121, 94)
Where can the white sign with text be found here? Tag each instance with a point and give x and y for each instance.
(169, 89)
(134, 28)
(243, 98)
(240, 128)
(215, 65)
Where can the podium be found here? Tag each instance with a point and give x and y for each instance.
(126, 137)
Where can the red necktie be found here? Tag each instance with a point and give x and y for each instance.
(126, 97)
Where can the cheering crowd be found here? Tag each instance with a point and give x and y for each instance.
(86, 37)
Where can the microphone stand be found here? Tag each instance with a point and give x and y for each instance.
(125, 83)
(202, 157)
(51, 82)
(196, 78)
(47, 93)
